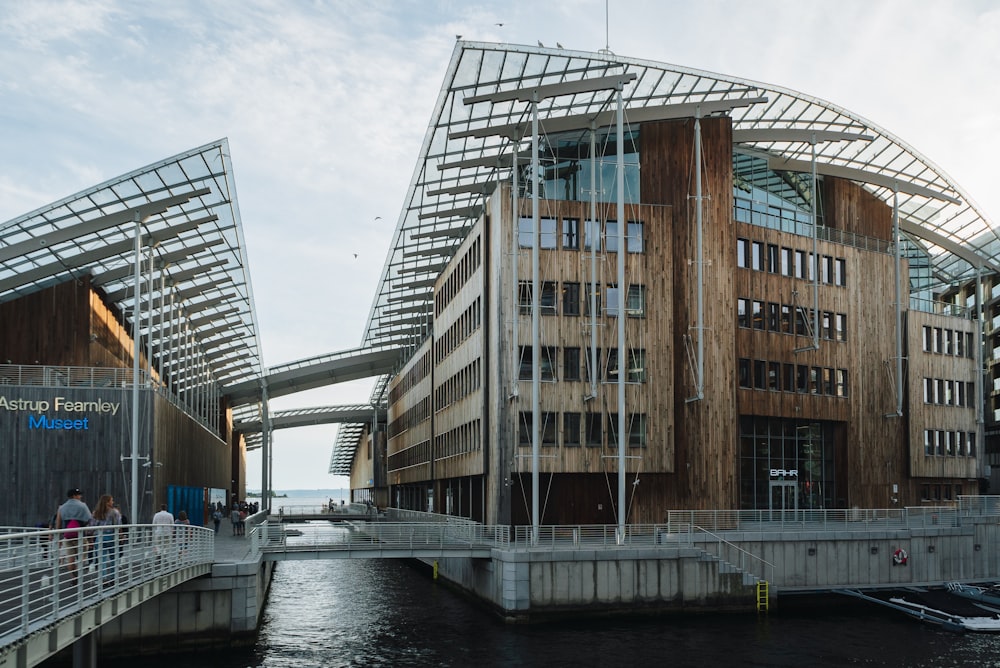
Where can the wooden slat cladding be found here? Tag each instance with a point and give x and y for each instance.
(705, 430)
(851, 208)
(70, 325)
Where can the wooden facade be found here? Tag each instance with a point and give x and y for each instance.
(795, 410)
(69, 325)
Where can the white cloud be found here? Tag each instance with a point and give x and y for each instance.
(325, 105)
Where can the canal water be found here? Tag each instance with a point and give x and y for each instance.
(390, 613)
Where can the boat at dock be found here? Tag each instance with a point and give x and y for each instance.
(987, 598)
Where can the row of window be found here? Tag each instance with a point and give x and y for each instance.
(774, 259)
(417, 373)
(467, 323)
(948, 342)
(949, 392)
(460, 385)
(461, 440)
(787, 377)
(938, 443)
(551, 295)
(939, 492)
(774, 317)
(564, 234)
(571, 364)
(466, 267)
(411, 417)
(593, 430)
(418, 453)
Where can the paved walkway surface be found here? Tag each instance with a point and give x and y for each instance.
(230, 548)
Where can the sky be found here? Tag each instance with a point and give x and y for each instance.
(325, 105)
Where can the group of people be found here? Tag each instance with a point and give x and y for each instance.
(238, 516)
(74, 514)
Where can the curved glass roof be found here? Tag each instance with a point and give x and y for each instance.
(468, 149)
(191, 231)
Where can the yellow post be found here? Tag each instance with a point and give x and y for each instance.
(762, 596)
(435, 570)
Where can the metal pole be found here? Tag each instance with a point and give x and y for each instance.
(815, 235)
(593, 233)
(699, 260)
(515, 251)
(265, 469)
(134, 501)
(897, 242)
(622, 418)
(536, 353)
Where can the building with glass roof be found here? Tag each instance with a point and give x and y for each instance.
(126, 312)
(802, 303)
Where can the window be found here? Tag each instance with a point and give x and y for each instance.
(637, 430)
(826, 269)
(524, 372)
(611, 299)
(595, 430)
(547, 363)
(841, 382)
(526, 233)
(633, 237)
(587, 287)
(840, 325)
(592, 235)
(786, 319)
(612, 370)
(592, 362)
(743, 312)
(788, 382)
(636, 366)
(772, 258)
(547, 303)
(524, 296)
(744, 372)
(928, 339)
(815, 380)
(571, 299)
(758, 314)
(800, 264)
(928, 444)
(827, 326)
(828, 381)
(742, 253)
(802, 379)
(611, 427)
(571, 234)
(787, 263)
(757, 256)
(774, 376)
(759, 375)
(772, 317)
(548, 429)
(571, 364)
(840, 272)
(524, 429)
(548, 236)
(571, 430)
(635, 301)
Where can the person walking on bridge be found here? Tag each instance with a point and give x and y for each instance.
(72, 514)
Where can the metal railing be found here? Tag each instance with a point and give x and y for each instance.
(271, 537)
(733, 554)
(848, 519)
(47, 576)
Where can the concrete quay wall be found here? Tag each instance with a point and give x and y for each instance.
(526, 584)
(968, 550)
(215, 611)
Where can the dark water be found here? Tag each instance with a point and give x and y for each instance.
(388, 613)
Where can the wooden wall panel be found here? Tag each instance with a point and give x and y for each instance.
(705, 430)
(850, 208)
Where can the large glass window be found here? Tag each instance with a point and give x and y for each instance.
(633, 237)
(571, 234)
(549, 234)
(594, 429)
(787, 465)
(571, 430)
(571, 298)
(571, 364)
(548, 300)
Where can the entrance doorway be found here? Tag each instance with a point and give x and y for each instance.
(783, 498)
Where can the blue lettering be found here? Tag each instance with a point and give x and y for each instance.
(44, 422)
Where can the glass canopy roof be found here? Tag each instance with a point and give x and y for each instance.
(191, 230)
(468, 148)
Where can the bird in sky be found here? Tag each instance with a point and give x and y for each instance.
(378, 217)
(540, 43)
(355, 256)
(499, 25)
(558, 45)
